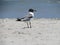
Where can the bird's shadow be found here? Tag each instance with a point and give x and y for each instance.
(26, 27)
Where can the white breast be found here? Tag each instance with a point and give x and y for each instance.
(31, 14)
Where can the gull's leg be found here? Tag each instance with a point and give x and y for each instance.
(27, 25)
(30, 24)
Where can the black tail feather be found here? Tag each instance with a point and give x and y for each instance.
(18, 19)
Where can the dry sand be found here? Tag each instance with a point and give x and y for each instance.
(43, 32)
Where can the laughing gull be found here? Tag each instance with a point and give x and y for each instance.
(28, 17)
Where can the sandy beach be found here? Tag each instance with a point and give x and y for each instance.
(43, 32)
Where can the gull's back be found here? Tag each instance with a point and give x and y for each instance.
(28, 17)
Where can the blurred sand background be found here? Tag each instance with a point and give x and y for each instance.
(43, 32)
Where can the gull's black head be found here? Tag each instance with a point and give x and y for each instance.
(31, 10)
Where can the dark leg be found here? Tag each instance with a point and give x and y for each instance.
(27, 25)
(30, 24)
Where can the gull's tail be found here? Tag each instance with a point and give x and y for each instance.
(18, 19)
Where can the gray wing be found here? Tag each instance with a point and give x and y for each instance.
(27, 18)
